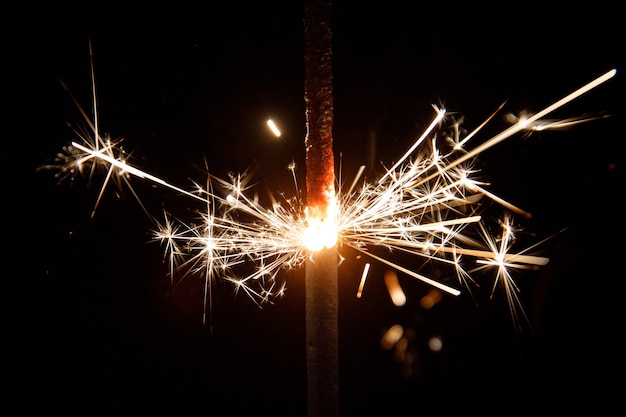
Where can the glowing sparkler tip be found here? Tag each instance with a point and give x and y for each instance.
(320, 234)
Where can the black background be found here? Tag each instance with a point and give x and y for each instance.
(92, 326)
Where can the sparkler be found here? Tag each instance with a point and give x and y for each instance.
(418, 207)
(428, 205)
(424, 205)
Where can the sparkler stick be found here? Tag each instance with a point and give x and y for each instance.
(321, 275)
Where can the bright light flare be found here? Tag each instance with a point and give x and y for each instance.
(428, 205)
(394, 288)
(392, 336)
(366, 270)
(320, 234)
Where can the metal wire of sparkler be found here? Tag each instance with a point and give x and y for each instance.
(428, 204)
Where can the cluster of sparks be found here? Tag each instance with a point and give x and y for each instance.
(428, 204)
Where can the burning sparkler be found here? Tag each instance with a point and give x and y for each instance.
(427, 204)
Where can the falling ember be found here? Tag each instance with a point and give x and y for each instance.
(391, 336)
(395, 290)
(321, 272)
(273, 128)
(366, 269)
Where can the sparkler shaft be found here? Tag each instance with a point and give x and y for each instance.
(321, 276)
(432, 282)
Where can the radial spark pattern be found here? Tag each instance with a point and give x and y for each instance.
(428, 204)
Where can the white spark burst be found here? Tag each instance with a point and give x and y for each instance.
(429, 204)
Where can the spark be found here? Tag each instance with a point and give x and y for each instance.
(394, 288)
(366, 270)
(431, 299)
(428, 205)
(549, 124)
(96, 153)
(440, 115)
(435, 343)
(321, 230)
(517, 127)
(275, 130)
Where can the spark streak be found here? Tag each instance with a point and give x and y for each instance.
(534, 118)
(124, 167)
(273, 128)
(366, 270)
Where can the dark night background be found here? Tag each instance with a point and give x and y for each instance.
(91, 326)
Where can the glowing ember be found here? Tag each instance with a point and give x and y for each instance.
(273, 128)
(391, 336)
(395, 289)
(366, 269)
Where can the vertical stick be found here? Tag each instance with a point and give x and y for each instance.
(321, 285)
(318, 95)
(322, 335)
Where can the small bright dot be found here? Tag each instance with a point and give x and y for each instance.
(273, 128)
(435, 343)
